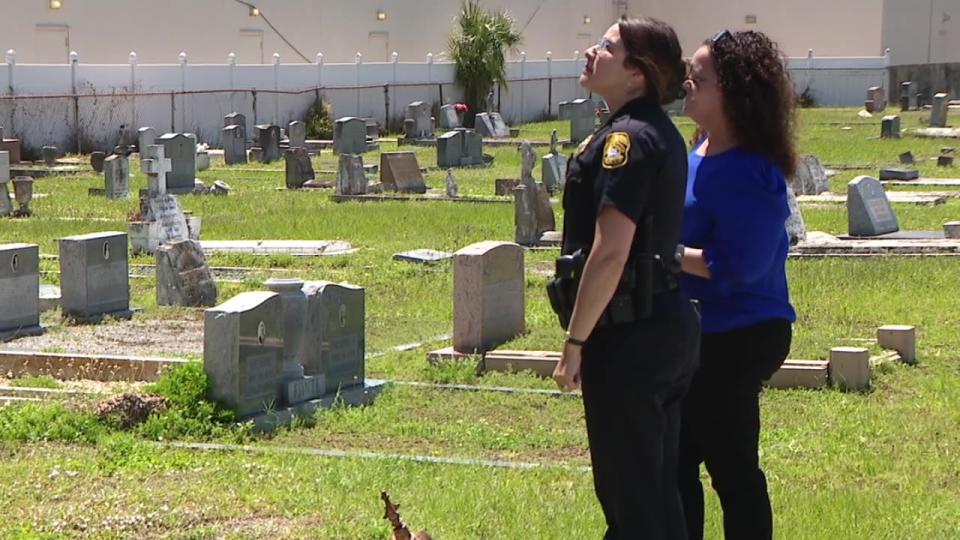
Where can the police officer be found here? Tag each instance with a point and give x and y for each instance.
(632, 335)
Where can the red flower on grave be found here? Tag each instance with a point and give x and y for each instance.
(460, 107)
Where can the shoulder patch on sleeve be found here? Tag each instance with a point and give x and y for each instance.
(583, 144)
(616, 151)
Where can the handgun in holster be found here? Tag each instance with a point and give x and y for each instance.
(562, 289)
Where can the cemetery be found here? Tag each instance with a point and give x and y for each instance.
(253, 331)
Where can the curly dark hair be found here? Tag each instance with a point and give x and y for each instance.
(758, 95)
(652, 46)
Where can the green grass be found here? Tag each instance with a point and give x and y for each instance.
(43, 381)
(878, 464)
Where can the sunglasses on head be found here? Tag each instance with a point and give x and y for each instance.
(721, 35)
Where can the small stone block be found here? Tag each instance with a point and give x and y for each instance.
(899, 174)
(951, 229)
(901, 338)
(423, 256)
(446, 354)
(944, 161)
(850, 367)
(906, 158)
(800, 374)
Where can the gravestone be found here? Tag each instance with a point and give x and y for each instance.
(543, 210)
(526, 231)
(906, 158)
(876, 99)
(504, 186)
(268, 138)
(243, 351)
(183, 277)
(6, 205)
(448, 117)
(938, 115)
(795, 226)
(890, 127)
(181, 150)
(500, 128)
(155, 166)
(399, 171)
(297, 134)
(335, 334)
(582, 114)
(350, 136)
(166, 211)
(488, 296)
(299, 169)
(554, 167)
(234, 145)
(203, 160)
(472, 149)
(868, 211)
(898, 173)
(351, 180)
(811, 178)
(19, 290)
(116, 177)
(449, 149)
(237, 119)
(96, 160)
(483, 123)
(4, 166)
(49, 155)
(908, 96)
(422, 256)
(422, 126)
(146, 136)
(94, 275)
(451, 185)
(12, 147)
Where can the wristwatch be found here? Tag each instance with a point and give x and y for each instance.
(574, 341)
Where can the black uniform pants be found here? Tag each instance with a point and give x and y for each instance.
(721, 428)
(634, 378)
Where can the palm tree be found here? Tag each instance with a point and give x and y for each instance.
(477, 47)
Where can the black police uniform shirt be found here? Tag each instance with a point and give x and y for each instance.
(635, 162)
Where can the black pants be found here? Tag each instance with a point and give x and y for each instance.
(634, 379)
(721, 428)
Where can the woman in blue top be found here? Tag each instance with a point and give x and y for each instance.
(741, 97)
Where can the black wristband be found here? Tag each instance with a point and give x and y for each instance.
(574, 341)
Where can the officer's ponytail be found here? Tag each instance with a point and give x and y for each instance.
(653, 47)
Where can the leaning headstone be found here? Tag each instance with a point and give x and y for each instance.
(795, 226)
(350, 135)
(399, 171)
(172, 222)
(183, 277)
(181, 150)
(234, 145)
(299, 169)
(243, 351)
(811, 178)
(146, 136)
(868, 211)
(335, 335)
(582, 114)
(500, 128)
(20, 290)
(116, 177)
(938, 115)
(351, 179)
(237, 119)
(96, 160)
(94, 275)
(297, 134)
(890, 127)
(268, 136)
(448, 117)
(483, 123)
(451, 185)
(488, 296)
(422, 126)
(526, 231)
(49, 155)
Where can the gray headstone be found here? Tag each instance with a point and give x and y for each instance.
(6, 205)
(19, 289)
(4, 166)
(448, 117)
(796, 228)
(237, 119)
(906, 158)
(234, 145)
(146, 136)
(897, 173)
(484, 125)
(544, 210)
(488, 296)
(422, 126)
(868, 211)
(203, 160)
(181, 150)
(582, 114)
(166, 211)
(554, 172)
(94, 274)
(156, 166)
(96, 160)
(116, 177)
(472, 148)
(938, 115)
(526, 232)
(335, 337)
(49, 155)
(183, 277)
(243, 351)
(449, 149)
(299, 169)
(500, 128)
(877, 98)
(350, 136)
(297, 134)
(890, 127)
(351, 180)
(908, 95)
(811, 178)
(268, 137)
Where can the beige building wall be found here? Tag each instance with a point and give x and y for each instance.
(922, 31)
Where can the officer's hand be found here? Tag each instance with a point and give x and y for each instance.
(567, 372)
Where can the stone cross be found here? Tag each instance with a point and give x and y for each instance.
(156, 167)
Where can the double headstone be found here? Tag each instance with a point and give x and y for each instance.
(94, 275)
(938, 115)
(868, 210)
(234, 145)
(183, 277)
(20, 290)
(582, 114)
(399, 171)
(181, 150)
(116, 177)
(297, 134)
(351, 179)
(298, 167)
(335, 338)
(810, 178)
(243, 351)
(890, 127)
(449, 119)
(459, 148)
(417, 123)
(268, 137)
(488, 296)
(350, 136)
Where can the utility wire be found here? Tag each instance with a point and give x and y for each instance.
(532, 15)
(274, 28)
